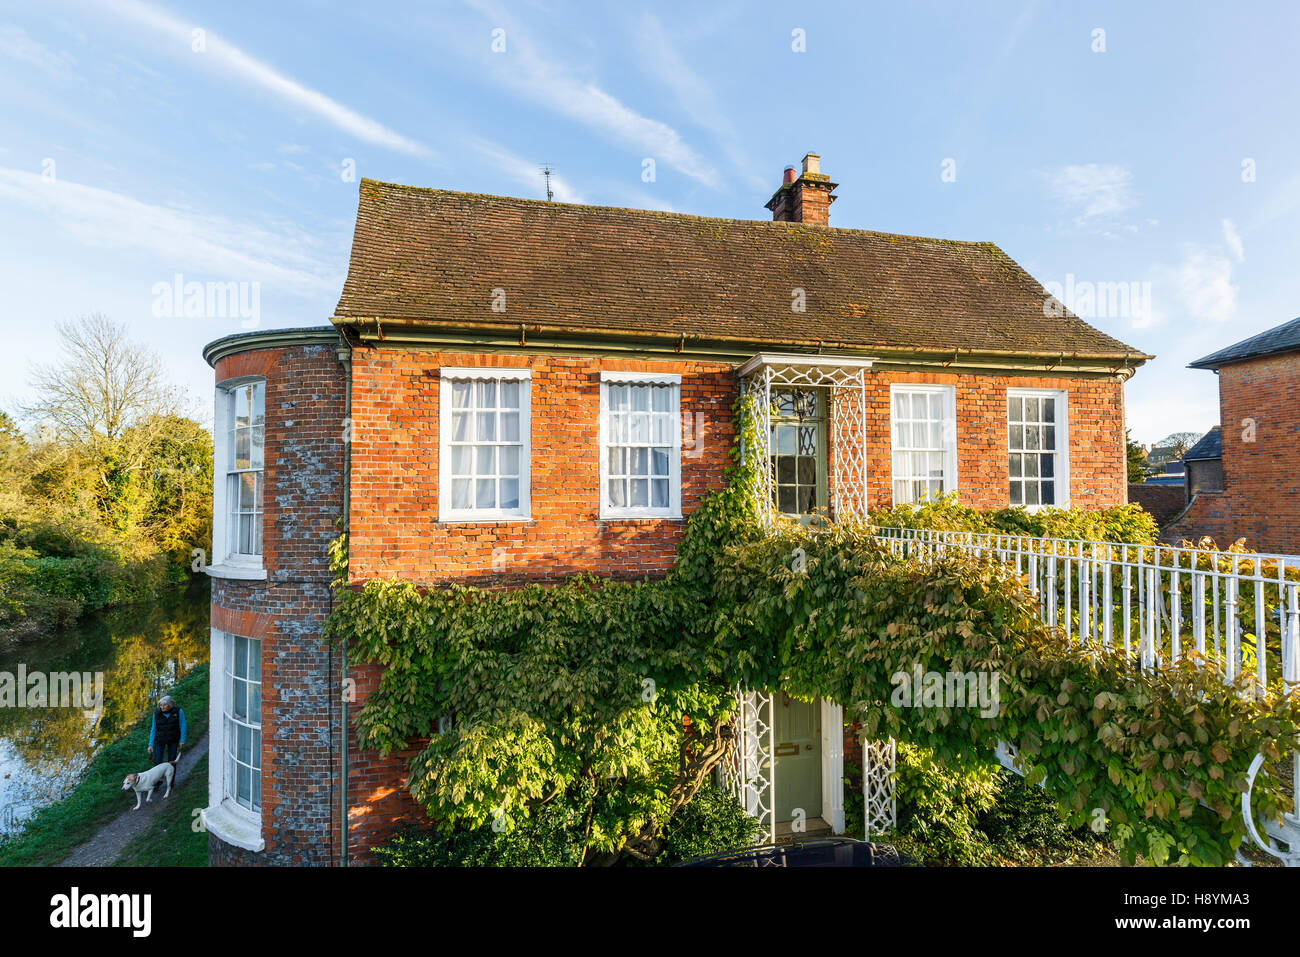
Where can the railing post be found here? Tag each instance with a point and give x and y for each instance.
(1128, 604)
(1175, 610)
(1108, 601)
(1051, 586)
(1291, 681)
(1148, 659)
(1232, 637)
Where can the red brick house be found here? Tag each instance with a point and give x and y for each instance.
(1244, 476)
(514, 390)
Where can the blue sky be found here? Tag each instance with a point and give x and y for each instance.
(133, 148)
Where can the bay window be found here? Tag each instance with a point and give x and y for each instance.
(238, 479)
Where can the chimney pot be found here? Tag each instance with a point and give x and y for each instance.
(803, 198)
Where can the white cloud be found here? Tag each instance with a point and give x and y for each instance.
(180, 239)
(1093, 190)
(1233, 239)
(17, 45)
(550, 84)
(1200, 286)
(235, 64)
(525, 173)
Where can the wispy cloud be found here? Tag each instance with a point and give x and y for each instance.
(17, 45)
(179, 239)
(551, 84)
(1092, 191)
(233, 63)
(523, 172)
(1200, 286)
(694, 95)
(1233, 239)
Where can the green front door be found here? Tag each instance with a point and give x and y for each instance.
(798, 755)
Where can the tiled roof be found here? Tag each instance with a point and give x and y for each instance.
(1283, 338)
(1210, 446)
(435, 256)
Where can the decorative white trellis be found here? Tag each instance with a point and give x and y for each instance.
(751, 771)
(844, 379)
(748, 770)
(879, 805)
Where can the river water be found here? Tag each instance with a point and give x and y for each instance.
(140, 650)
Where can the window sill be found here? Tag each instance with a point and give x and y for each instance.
(241, 572)
(484, 519)
(234, 825)
(622, 517)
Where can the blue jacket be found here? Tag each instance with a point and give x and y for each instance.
(168, 732)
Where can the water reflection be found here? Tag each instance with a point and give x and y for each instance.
(142, 651)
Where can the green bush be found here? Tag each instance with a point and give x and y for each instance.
(1024, 824)
(1119, 524)
(551, 838)
(712, 823)
(939, 806)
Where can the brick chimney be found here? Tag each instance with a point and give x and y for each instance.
(805, 198)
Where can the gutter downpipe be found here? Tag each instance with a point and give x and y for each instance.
(345, 360)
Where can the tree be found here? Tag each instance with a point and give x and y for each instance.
(104, 385)
(108, 397)
(1173, 447)
(1137, 460)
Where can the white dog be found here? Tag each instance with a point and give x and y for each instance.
(148, 780)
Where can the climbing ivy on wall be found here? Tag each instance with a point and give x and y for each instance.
(615, 698)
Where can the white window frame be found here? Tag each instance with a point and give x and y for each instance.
(674, 508)
(223, 563)
(445, 511)
(224, 817)
(1062, 450)
(950, 474)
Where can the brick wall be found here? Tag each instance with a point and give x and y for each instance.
(395, 532)
(302, 499)
(1163, 502)
(1259, 407)
(1095, 416)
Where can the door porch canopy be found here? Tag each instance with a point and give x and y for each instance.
(844, 379)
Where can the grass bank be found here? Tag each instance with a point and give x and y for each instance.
(51, 833)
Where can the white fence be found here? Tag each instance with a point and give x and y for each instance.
(1240, 612)
(1156, 602)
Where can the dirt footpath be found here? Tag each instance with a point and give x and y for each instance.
(108, 842)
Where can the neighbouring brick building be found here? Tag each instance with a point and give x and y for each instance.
(1244, 477)
(514, 390)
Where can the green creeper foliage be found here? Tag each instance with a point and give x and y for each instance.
(609, 703)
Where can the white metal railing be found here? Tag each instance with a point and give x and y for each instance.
(1238, 611)
(1157, 602)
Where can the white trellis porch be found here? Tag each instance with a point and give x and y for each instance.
(750, 771)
